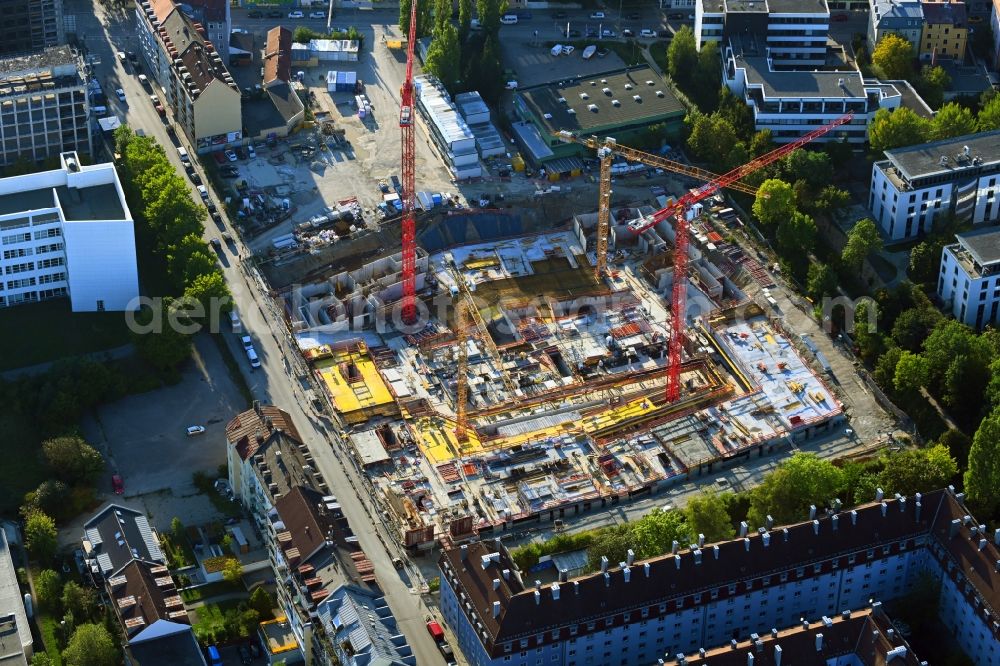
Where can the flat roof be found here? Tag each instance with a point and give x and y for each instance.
(925, 159)
(98, 202)
(369, 447)
(598, 108)
(982, 244)
(22, 202)
(778, 6)
(826, 84)
(12, 639)
(50, 57)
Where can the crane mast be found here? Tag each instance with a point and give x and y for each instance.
(406, 120)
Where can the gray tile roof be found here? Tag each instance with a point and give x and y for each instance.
(364, 619)
(118, 535)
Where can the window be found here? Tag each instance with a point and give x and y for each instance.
(16, 238)
(16, 254)
(48, 233)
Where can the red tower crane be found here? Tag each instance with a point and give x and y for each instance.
(678, 210)
(409, 195)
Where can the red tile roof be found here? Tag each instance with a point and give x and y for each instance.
(278, 55)
(249, 429)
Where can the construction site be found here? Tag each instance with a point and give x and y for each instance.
(491, 375)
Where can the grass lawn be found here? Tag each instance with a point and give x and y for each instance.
(659, 52)
(47, 625)
(210, 622)
(20, 443)
(210, 590)
(46, 331)
(179, 555)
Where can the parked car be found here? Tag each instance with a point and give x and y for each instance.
(217, 218)
(229, 175)
(646, 33)
(296, 15)
(241, 154)
(317, 15)
(216, 244)
(121, 94)
(665, 33)
(203, 192)
(231, 156)
(211, 206)
(597, 16)
(195, 178)
(121, 57)
(252, 357)
(117, 484)
(195, 430)
(627, 33)
(256, 14)
(608, 34)
(251, 151)
(247, 342)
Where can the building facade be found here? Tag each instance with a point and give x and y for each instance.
(708, 595)
(202, 94)
(16, 642)
(793, 31)
(68, 232)
(30, 25)
(916, 185)
(946, 30)
(216, 18)
(44, 109)
(904, 18)
(969, 280)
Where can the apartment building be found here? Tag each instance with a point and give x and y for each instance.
(361, 629)
(43, 105)
(709, 595)
(189, 69)
(946, 30)
(261, 430)
(969, 282)
(30, 25)
(916, 185)
(115, 537)
(904, 18)
(16, 643)
(68, 232)
(794, 32)
(217, 20)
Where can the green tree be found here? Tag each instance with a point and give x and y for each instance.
(761, 142)
(40, 536)
(831, 198)
(233, 570)
(51, 496)
(947, 341)
(862, 240)
(736, 111)
(796, 239)
(925, 261)
(262, 602)
(951, 120)
(911, 373)
(177, 529)
(958, 444)
(682, 57)
(612, 543)
(442, 16)
(708, 513)
(965, 385)
(91, 645)
(820, 281)
(913, 326)
(894, 129)
(812, 166)
(917, 470)
(712, 138)
(72, 460)
(775, 202)
(464, 19)
(932, 83)
(989, 115)
(840, 152)
(40, 658)
(157, 341)
(885, 368)
(423, 18)
(788, 491)
(48, 586)
(78, 600)
(708, 74)
(983, 476)
(656, 531)
(444, 56)
(489, 13)
(210, 290)
(893, 56)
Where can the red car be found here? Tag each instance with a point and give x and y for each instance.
(840, 17)
(117, 485)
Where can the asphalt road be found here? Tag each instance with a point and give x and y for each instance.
(271, 383)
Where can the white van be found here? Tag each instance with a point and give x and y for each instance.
(252, 357)
(234, 321)
(182, 151)
(508, 19)
(557, 50)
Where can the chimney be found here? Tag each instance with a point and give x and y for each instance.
(766, 539)
(953, 528)
(996, 537)
(538, 597)
(538, 584)
(743, 528)
(769, 522)
(902, 504)
(465, 551)
(879, 494)
(627, 573)
(485, 561)
(749, 658)
(675, 546)
(885, 508)
(805, 622)
(677, 561)
(604, 564)
(576, 587)
(982, 544)
(563, 575)
(819, 642)
(812, 512)
(607, 579)
(917, 507)
(816, 527)
(854, 517)
(715, 551)
(918, 497)
(555, 591)
(701, 652)
(701, 539)
(697, 556)
(506, 574)
(784, 532)
(835, 522)
(777, 655)
(645, 568)
(845, 614)
(496, 583)
(746, 544)
(496, 609)
(630, 557)
(996, 566)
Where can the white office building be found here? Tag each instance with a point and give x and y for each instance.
(918, 184)
(68, 232)
(969, 282)
(794, 30)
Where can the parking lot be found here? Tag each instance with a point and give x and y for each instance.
(350, 163)
(144, 437)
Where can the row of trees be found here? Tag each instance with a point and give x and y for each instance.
(786, 495)
(903, 127)
(170, 225)
(697, 73)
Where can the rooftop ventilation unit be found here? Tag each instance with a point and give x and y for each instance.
(592, 107)
(615, 102)
(637, 98)
(606, 91)
(571, 111)
(547, 116)
(562, 100)
(659, 93)
(628, 86)
(584, 96)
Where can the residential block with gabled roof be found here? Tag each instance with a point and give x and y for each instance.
(360, 629)
(706, 595)
(115, 537)
(187, 65)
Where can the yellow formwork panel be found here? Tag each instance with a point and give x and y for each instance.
(367, 393)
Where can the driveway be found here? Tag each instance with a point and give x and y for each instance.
(143, 436)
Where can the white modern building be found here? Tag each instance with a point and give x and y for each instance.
(918, 184)
(794, 31)
(16, 643)
(969, 282)
(68, 232)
